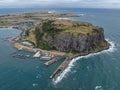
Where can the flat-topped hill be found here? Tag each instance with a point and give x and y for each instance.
(70, 36)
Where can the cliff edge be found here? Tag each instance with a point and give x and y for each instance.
(73, 37)
(70, 36)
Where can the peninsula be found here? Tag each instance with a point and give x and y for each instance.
(71, 37)
(47, 35)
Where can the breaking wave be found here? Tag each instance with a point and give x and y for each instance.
(71, 64)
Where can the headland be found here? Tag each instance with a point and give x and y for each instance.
(53, 39)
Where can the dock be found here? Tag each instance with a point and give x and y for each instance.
(45, 58)
(50, 62)
(53, 60)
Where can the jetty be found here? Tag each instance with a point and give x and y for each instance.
(61, 68)
(45, 58)
(53, 60)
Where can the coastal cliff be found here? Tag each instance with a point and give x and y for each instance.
(70, 36)
(54, 39)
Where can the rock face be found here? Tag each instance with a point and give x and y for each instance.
(75, 42)
(68, 42)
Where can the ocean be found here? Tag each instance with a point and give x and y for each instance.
(98, 71)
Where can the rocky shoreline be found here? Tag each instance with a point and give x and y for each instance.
(74, 43)
(67, 61)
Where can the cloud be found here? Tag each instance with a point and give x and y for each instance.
(61, 3)
(7, 1)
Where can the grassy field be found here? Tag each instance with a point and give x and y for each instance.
(62, 26)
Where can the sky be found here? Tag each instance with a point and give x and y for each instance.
(61, 3)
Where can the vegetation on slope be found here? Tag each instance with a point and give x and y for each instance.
(48, 33)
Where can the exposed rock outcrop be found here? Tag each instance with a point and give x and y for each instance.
(72, 41)
(75, 38)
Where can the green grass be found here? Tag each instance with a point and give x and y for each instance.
(82, 30)
(55, 26)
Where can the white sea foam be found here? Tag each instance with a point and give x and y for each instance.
(34, 84)
(98, 88)
(71, 64)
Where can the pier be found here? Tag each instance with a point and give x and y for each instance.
(51, 56)
(45, 57)
(55, 59)
(61, 68)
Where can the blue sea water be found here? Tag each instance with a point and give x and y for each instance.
(94, 72)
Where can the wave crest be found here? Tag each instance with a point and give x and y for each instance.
(71, 64)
